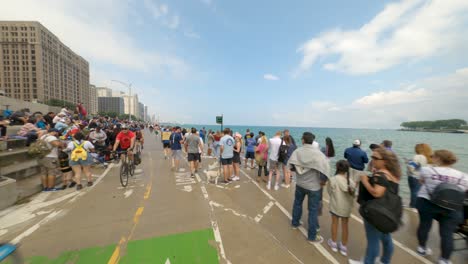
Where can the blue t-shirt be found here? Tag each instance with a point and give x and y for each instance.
(356, 157)
(41, 124)
(251, 143)
(228, 143)
(175, 141)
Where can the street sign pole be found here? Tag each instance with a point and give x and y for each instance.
(219, 120)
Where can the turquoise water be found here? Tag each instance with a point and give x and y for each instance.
(403, 142)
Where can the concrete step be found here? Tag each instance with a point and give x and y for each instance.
(12, 144)
(20, 170)
(8, 192)
(31, 186)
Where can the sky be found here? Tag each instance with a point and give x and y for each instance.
(352, 64)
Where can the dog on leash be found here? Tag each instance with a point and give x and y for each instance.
(212, 175)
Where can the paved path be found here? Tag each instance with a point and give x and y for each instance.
(166, 217)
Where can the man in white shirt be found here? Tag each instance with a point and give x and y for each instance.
(227, 153)
(275, 144)
(50, 161)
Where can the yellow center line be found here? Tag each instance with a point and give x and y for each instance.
(116, 255)
(148, 191)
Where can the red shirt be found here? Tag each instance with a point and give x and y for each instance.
(125, 139)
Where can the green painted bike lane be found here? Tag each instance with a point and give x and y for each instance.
(192, 247)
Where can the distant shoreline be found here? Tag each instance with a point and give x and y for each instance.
(450, 131)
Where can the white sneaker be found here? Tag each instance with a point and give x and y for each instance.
(276, 187)
(350, 261)
(444, 261)
(236, 178)
(424, 251)
(285, 185)
(268, 186)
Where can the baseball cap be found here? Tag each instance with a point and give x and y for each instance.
(357, 142)
(124, 126)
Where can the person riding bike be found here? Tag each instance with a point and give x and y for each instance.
(139, 137)
(125, 141)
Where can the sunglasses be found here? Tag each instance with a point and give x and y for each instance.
(376, 158)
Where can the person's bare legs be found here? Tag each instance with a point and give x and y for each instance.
(226, 172)
(44, 181)
(236, 167)
(344, 231)
(77, 170)
(334, 228)
(278, 175)
(251, 163)
(87, 172)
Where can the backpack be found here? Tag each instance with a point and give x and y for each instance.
(79, 153)
(383, 213)
(283, 152)
(40, 148)
(447, 195)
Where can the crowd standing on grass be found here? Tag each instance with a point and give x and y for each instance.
(281, 162)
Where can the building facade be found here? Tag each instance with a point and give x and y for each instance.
(103, 92)
(93, 100)
(111, 105)
(131, 105)
(36, 66)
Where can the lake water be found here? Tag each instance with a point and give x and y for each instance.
(403, 142)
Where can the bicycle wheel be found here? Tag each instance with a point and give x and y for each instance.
(131, 167)
(124, 173)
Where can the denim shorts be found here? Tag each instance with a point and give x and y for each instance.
(88, 162)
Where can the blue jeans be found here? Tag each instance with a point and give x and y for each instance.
(313, 200)
(414, 186)
(373, 247)
(448, 222)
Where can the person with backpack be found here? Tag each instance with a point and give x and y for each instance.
(341, 191)
(48, 160)
(261, 157)
(422, 158)
(441, 198)
(250, 150)
(285, 152)
(80, 158)
(378, 195)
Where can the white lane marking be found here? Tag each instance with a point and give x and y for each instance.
(237, 186)
(267, 208)
(229, 210)
(128, 193)
(31, 230)
(397, 243)
(319, 247)
(187, 188)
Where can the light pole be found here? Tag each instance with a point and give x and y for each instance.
(129, 86)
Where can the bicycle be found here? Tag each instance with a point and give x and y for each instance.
(9, 252)
(127, 168)
(137, 156)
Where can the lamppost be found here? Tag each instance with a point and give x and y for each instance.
(129, 86)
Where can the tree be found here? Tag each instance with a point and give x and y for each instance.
(437, 124)
(60, 103)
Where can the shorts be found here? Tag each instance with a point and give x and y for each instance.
(177, 154)
(50, 165)
(193, 157)
(65, 170)
(236, 159)
(250, 155)
(166, 144)
(274, 164)
(226, 161)
(87, 162)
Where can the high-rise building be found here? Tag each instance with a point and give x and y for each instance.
(111, 105)
(103, 92)
(147, 119)
(36, 66)
(141, 110)
(131, 105)
(93, 100)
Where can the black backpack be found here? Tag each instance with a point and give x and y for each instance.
(447, 195)
(283, 152)
(383, 213)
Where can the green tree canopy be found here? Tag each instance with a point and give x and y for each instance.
(437, 124)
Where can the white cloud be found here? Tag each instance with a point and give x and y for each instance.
(160, 12)
(95, 35)
(270, 77)
(407, 30)
(441, 97)
(191, 34)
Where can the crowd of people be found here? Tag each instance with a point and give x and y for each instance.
(68, 143)
(373, 182)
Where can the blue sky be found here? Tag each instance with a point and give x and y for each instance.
(293, 63)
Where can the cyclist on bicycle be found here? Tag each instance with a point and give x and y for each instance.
(125, 141)
(139, 137)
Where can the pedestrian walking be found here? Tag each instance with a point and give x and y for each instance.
(312, 168)
(386, 176)
(449, 217)
(421, 159)
(341, 190)
(275, 143)
(192, 145)
(250, 150)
